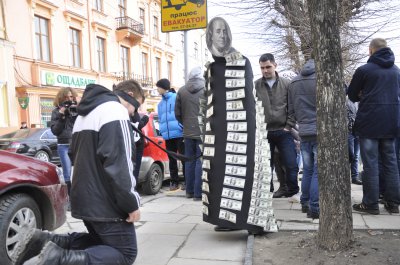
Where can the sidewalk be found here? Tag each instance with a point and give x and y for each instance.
(171, 230)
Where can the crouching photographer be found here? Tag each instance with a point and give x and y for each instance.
(62, 121)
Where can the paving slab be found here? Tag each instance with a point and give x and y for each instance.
(158, 228)
(391, 222)
(358, 221)
(209, 245)
(180, 261)
(158, 206)
(192, 219)
(157, 249)
(282, 204)
(291, 215)
(189, 209)
(160, 217)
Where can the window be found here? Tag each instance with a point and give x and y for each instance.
(98, 5)
(75, 47)
(122, 8)
(144, 64)
(196, 50)
(158, 68)
(42, 40)
(155, 27)
(169, 70)
(142, 18)
(167, 38)
(125, 60)
(101, 54)
(46, 107)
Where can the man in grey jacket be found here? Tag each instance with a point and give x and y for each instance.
(272, 90)
(187, 113)
(302, 108)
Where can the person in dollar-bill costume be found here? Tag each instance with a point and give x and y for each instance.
(236, 157)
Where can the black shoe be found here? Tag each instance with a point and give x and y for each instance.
(225, 229)
(391, 208)
(183, 186)
(304, 208)
(280, 193)
(361, 207)
(356, 181)
(32, 243)
(52, 254)
(189, 195)
(312, 215)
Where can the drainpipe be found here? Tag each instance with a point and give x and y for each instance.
(89, 35)
(4, 19)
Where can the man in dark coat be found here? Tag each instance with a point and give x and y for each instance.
(376, 85)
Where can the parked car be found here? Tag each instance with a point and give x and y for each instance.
(155, 164)
(40, 143)
(32, 195)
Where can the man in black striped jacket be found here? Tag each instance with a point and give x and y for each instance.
(103, 191)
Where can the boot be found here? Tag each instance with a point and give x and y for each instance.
(281, 174)
(32, 243)
(52, 254)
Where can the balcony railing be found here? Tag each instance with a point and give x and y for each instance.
(144, 81)
(129, 23)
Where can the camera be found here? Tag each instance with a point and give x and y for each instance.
(70, 107)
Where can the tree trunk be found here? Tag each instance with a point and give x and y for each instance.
(336, 222)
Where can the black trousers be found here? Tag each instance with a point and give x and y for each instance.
(175, 145)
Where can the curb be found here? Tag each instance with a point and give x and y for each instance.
(248, 257)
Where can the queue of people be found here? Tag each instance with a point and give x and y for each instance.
(238, 126)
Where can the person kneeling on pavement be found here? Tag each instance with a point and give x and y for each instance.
(103, 188)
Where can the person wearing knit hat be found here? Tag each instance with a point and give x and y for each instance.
(170, 129)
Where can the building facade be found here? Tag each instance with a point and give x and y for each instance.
(46, 45)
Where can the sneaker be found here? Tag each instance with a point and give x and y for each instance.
(391, 208)
(304, 208)
(356, 181)
(173, 187)
(279, 193)
(312, 215)
(294, 198)
(361, 207)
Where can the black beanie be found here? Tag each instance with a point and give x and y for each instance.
(163, 83)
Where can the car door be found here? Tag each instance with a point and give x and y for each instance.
(49, 139)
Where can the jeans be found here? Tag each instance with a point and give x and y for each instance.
(309, 182)
(107, 243)
(175, 145)
(193, 168)
(371, 151)
(354, 154)
(62, 150)
(284, 141)
(138, 159)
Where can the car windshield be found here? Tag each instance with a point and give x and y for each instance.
(22, 133)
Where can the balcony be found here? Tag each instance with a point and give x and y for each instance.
(145, 81)
(130, 29)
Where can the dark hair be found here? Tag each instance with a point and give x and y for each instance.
(210, 30)
(267, 57)
(130, 86)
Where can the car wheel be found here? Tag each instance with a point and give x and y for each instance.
(154, 179)
(42, 155)
(18, 213)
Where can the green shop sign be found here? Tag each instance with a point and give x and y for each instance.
(64, 80)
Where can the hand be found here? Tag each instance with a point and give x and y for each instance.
(286, 130)
(133, 216)
(62, 110)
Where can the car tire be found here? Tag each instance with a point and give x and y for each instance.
(18, 213)
(154, 179)
(42, 155)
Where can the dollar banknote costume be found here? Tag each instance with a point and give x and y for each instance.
(236, 157)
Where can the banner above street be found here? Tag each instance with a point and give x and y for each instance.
(179, 15)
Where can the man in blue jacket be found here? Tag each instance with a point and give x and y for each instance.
(170, 128)
(376, 85)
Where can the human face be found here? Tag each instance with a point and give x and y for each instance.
(69, 96)
(268, 69)
(161, 91)
(219, 35)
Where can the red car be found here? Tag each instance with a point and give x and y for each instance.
(155, 164)
(32, 195)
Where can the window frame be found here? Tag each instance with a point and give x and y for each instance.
(101, 54)
(39, 34)
(158, 68)
(98, 5)
(122, 8)
(156, 34)
(125, 60)
(73, 46)
(142, 17)
(145, 63)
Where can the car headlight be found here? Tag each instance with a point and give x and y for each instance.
(60, 175)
